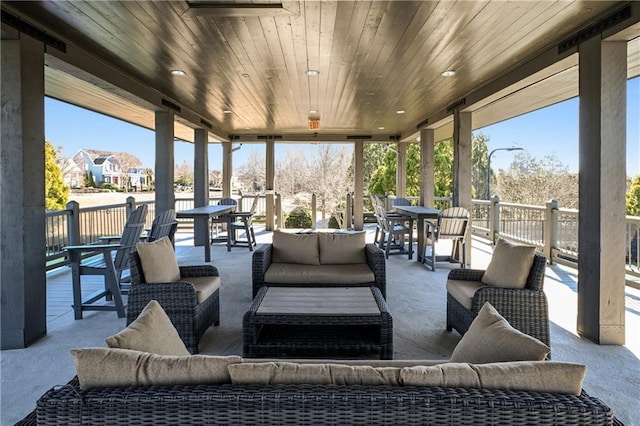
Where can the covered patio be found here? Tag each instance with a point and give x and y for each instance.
(416, 299)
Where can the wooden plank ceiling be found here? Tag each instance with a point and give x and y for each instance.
(246, 65)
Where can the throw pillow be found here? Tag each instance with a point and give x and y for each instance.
(266, 373)
(105, 367)
(341, 249)
(158, 260)
(533, 376)
(295, 248)
(151, 332)
(510, 265)
(491, 338)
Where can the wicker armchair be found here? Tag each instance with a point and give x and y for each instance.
(526, 309)
(178, 299)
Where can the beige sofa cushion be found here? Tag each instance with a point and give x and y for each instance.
(205, 286)
(341, 249)
(151, 332)
(290, 273)
(491, 338)
(272, 373)
(295, 248)
(463, 291)
(536, 376)
(104, 367)
(510, 265)
(158, 260)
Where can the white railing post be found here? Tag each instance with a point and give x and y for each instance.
(314, 213)
(494, 218)
(550, 229)
(279, 218)
(347, 220)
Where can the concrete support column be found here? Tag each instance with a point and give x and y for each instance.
(22, 200)
(602, 154)
(165, 161)
(427, 167)
(227, 169)
(270, 171)
(200, 182)
(358, 186)
(401, 170)
(462, 166)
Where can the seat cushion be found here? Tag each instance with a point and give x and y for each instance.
(105, 367)
(295, 248)
(491, 338)
(151, 332)
(205, 286)
(342, 248)
(463, 291)
(158, 260)
(510, 265)
(290, 273)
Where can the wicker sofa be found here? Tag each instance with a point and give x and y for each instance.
(313, 404)
(319, 259)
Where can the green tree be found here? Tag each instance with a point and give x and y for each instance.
(633, 197)
(56, 192)
(479, 160)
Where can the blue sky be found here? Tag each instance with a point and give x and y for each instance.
(552, 130)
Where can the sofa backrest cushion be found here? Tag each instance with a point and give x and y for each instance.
(490, 338)
(158, 260)
(536, 376)
(341, 249)
(272, 373)
(295, 248)
(510, 265)
(151, 332)
(107, 367)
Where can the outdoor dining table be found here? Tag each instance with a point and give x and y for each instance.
(420, 214)
(204, 214)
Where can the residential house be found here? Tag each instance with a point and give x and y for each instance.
(114, 168)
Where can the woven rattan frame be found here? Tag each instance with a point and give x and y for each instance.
(525, 309)
(375, 259)
(178, 299)
(315, 404)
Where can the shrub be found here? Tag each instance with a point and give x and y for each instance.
(299, 217)
(333, 223)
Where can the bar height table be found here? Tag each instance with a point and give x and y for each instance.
(203, 214)
(420, 214)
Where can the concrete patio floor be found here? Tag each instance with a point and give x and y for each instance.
(416, 298)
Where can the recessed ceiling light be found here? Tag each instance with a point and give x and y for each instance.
(312, 72)
(400, 111)
(448, 73)
(178, 72)
(227, 111)
(245, 75)
(381, 128)
(313, 111)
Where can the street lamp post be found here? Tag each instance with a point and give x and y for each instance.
(489, 167)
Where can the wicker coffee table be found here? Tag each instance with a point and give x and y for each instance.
(318, 322)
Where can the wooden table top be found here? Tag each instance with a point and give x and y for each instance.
(320, 301)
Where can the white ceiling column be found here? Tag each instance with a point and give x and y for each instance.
(165, 161)
(200, 182)
(270, 177)
(602, 155)
(401, 170)
(462, 166)
(22, 194)
(227, 168)
(358, 187)
(427, 167)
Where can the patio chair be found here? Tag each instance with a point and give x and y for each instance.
(525, 308)
(243, 221)
(394, 229)
(110, 265)
(451, 225)
(164, 225)
(180, 300)
(222, 221)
